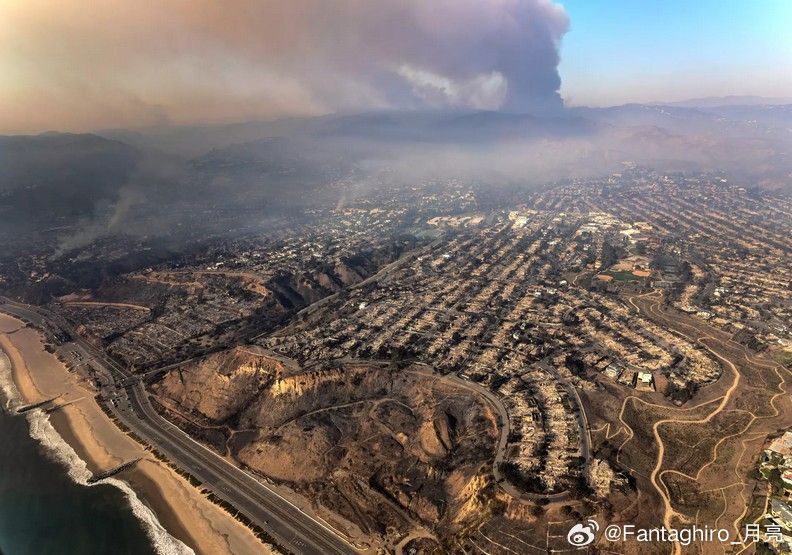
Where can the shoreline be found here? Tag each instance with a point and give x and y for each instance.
(191, 522)
(138, 479)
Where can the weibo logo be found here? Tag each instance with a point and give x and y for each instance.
(582, 534)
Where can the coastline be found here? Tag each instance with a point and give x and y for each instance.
(178, 517)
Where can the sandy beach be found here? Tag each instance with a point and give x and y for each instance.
(180, 508)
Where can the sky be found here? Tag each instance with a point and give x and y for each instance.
(130, 63)
(619, 51)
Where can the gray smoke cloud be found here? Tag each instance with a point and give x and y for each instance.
(126, 63)
(488, 54)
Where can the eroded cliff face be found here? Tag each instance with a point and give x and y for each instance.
(220, 385)
(385, 448)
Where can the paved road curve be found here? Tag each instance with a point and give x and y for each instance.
(290, 526)
(500, 450)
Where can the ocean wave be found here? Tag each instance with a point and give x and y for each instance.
(41, 430)
(11, 399)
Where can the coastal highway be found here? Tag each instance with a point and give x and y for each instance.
(292, 528)
(295, 530)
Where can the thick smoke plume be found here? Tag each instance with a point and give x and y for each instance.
(126, 63)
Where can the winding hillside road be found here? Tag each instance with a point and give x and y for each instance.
(740, 396)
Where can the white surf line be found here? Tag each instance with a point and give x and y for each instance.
(55, 446)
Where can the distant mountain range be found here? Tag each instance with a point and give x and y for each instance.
(694, 116)
(51, 160)
(716, 101)
(54, 179)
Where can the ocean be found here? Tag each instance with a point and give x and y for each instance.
(46, 506)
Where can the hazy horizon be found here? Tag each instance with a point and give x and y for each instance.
(125, 65)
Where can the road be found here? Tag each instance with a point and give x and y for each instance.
(739, 396)
(292, 528)
(382, 273)
(500, 450)
(580, 414)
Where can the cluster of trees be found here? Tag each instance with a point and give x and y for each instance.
(681, 394)
(530, 483)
